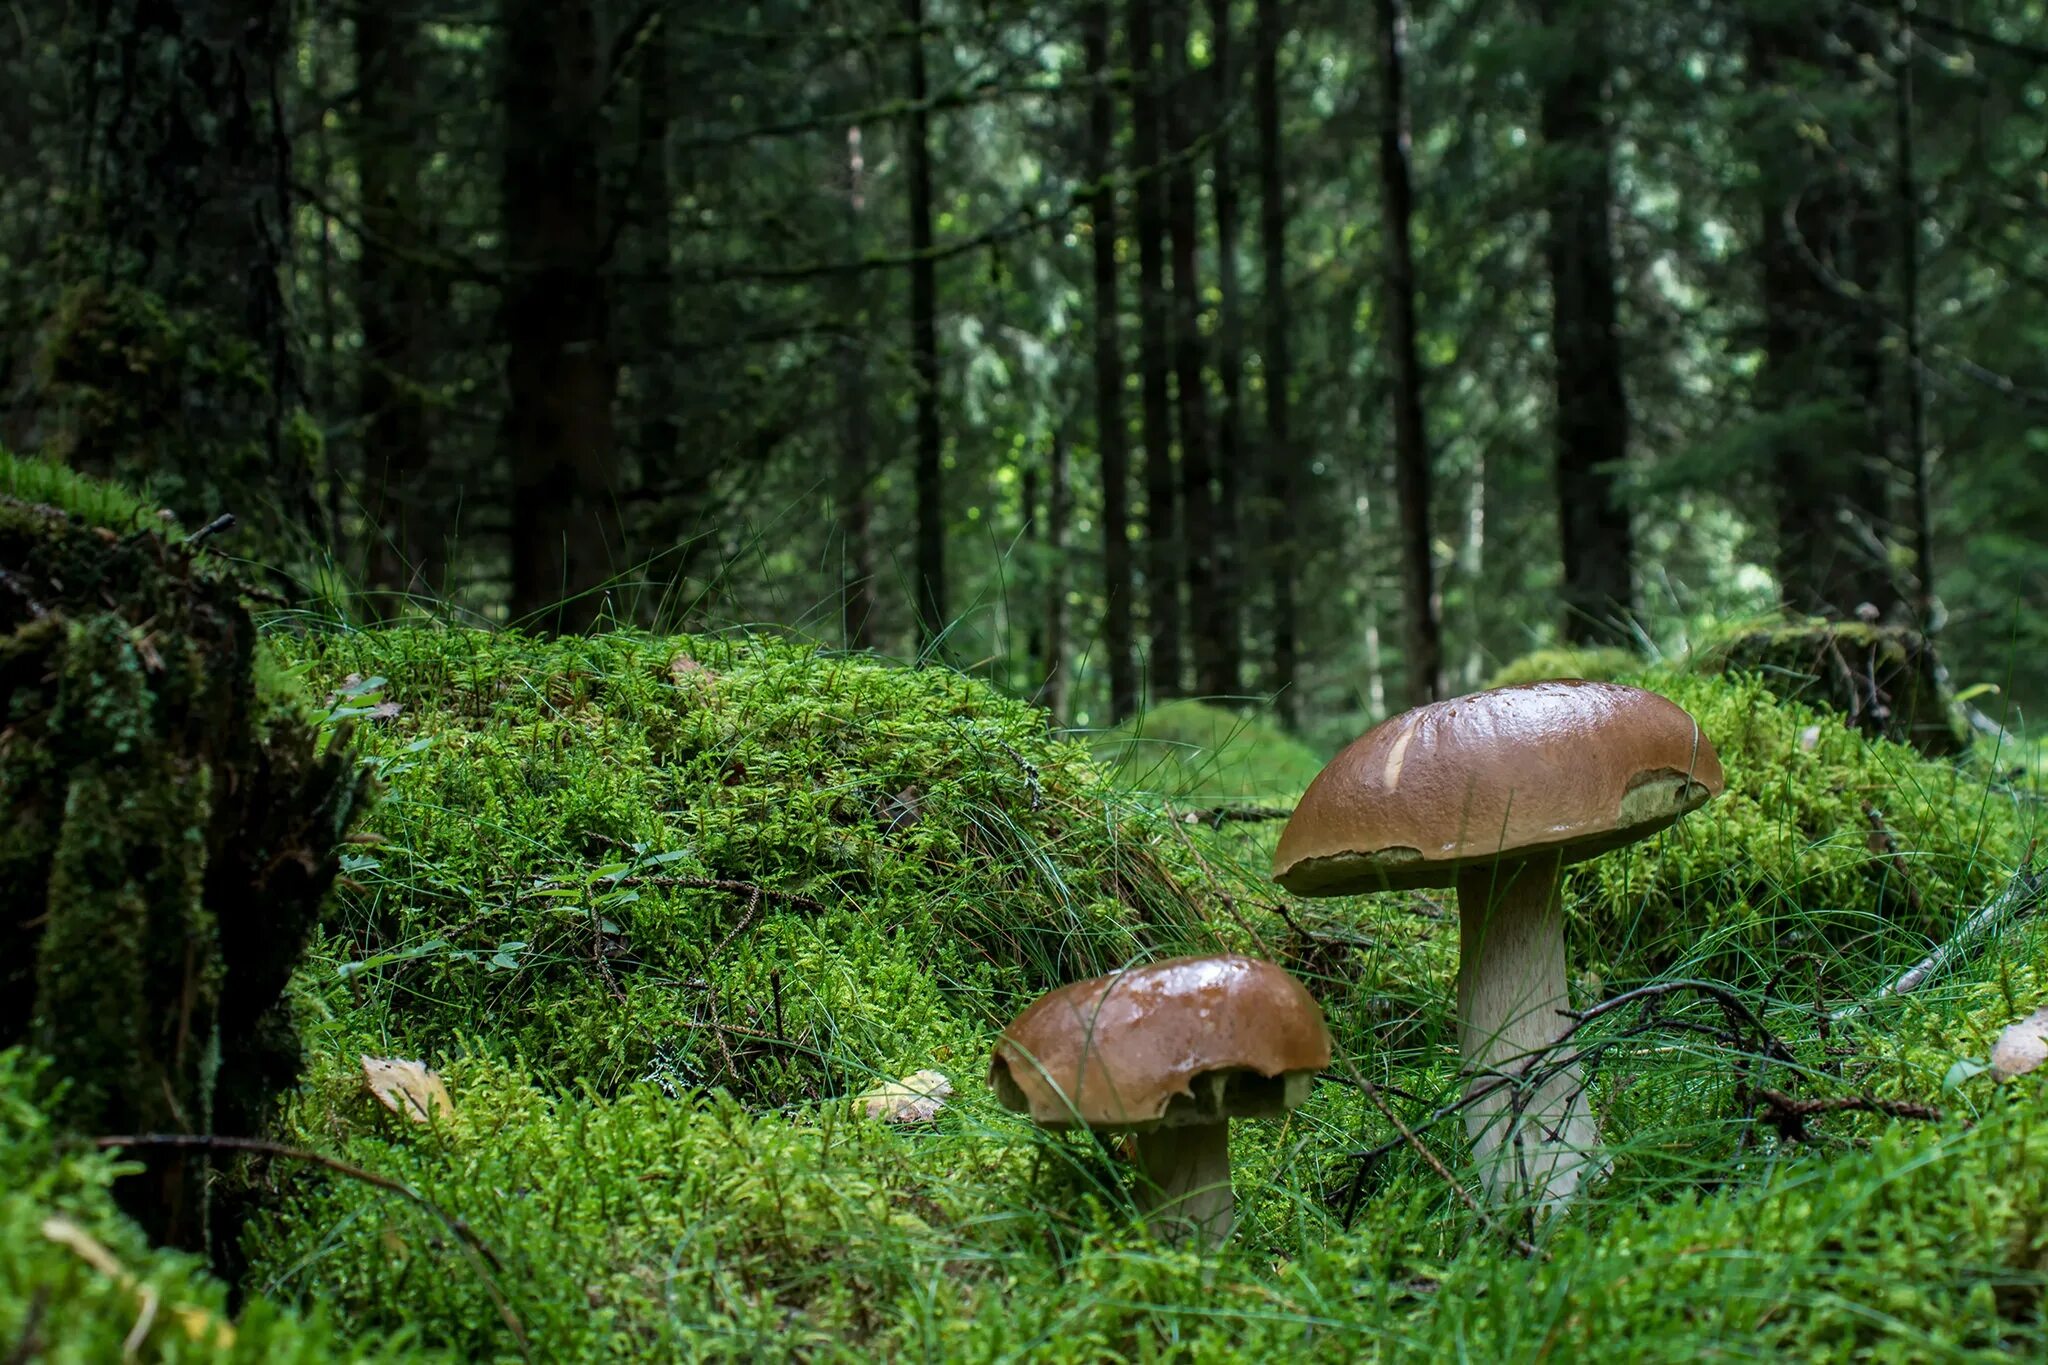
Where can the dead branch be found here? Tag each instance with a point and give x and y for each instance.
(1218, 816)
(1789, 1116)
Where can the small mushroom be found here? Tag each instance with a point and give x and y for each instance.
(1170, 1052)
(1494, 793)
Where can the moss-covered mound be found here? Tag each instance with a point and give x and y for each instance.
(1823, 836)
(169, 826)
(735, 863)
(1192, 752)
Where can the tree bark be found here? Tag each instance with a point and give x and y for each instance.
(187, 164)
(1228, 557)
(560, 373)
(394, 302)
(1110, 436)
(1282, 478)
(1052, 662)
(855, 500)
(1592, 418)
(660, 433)
(924, 354)
(1197, 473)
(1162, 541)
(1422, 632)
(1918, 460)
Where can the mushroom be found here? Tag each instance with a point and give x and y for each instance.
(1494, 793)
(1170, 1052)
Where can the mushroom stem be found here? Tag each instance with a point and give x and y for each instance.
(1184, 1182)
(1537, 1142)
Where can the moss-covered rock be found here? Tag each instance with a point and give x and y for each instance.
(170, 822)
(1882, 680)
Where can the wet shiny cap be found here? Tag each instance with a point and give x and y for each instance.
(1571, 767)
(1187, 1041)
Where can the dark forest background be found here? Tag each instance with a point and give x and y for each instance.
(1333, 353)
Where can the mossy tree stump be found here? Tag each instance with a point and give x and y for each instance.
(1884, 680)
(170, 823)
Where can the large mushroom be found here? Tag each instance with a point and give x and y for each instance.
(1170, 1052)
(1494, 793)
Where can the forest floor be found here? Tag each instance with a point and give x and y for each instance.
(657, 911)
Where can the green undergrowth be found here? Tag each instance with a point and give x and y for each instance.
(1194, 752)
(78, 1279)
(652, 1071)
(730, 862)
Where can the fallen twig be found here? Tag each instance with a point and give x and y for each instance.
(472, 1245)
(1789, 1116)
(30, 1344)
(2021, 894)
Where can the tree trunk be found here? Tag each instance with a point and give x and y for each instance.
(559, 369)
(1109, 372)
(924, 354)
(1162, 542)
(1592, 419)
(1820, 355)
(654, 296)
(855, 500)
(187, 164)
(1282, 478)
(1197, 472)
(1228, 556)
(1926, 605)
(394, 302)
(1052, 662)
(1422, 633)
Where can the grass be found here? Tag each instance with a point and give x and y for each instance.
(652, 1066)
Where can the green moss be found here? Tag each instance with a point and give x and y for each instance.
(76, 1312)
(1598, 665)
(576, 831)
(1195, 753)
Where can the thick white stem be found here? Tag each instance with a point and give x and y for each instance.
(1184, 1183)
(1531, 1143)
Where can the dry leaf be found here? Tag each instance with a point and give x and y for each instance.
(199, 1324)
(683, 668)
(408, 1088)
(917, 1098)
(2022, 1047)
(1809, 738)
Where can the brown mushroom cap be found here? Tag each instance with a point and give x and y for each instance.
(1186, 1041)
(1566, 766)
